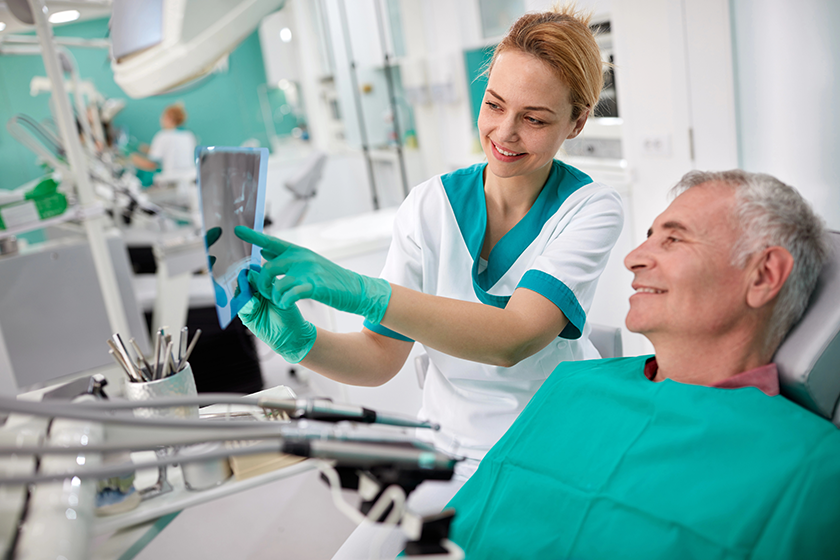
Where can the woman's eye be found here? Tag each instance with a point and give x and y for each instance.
(491, 105)
(532, 120)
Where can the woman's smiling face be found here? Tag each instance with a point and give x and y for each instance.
(525, 116)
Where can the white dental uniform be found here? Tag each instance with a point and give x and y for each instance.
(174, 148)
(559, 249)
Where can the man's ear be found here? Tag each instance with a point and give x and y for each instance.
(770, 271)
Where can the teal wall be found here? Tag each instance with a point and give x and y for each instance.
(476, 61)
(223, 110)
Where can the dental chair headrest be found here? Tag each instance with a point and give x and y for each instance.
(809, 357)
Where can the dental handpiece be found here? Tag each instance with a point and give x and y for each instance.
(324, 410)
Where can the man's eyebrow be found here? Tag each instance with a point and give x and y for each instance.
(669, 225)
(674, 225)
(500, 98)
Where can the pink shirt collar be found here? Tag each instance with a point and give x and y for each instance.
(764, 378)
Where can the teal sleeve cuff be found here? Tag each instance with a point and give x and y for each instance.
(560, 295)
(379, 329)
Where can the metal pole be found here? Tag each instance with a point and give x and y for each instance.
(268, 117)
(392, 95)
(63, 41)
(345, 28)
(78, 164)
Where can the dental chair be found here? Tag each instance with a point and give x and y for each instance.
(607, 340)
(809, 358)
(304, 186)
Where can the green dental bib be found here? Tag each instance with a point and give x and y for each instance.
(604, 463)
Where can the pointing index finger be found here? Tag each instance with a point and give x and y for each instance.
(277, 246)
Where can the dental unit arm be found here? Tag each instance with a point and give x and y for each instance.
(159, 47)
(383, 464)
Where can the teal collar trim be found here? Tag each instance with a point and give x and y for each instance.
(465, 190)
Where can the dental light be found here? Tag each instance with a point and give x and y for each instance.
(160, 45)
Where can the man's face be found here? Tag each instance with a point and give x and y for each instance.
(685, 283)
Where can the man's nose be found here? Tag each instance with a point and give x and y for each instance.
(639, 258)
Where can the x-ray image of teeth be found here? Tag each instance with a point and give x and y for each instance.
(232, 192)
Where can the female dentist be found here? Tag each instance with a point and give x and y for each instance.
(173, 148)
(491, 268)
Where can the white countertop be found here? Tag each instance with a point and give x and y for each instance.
(344, 237)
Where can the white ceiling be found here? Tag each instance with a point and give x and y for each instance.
(89, 9)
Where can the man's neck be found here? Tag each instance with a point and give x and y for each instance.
(707, 362)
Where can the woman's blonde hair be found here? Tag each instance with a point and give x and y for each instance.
(562, 39)
(176, 113)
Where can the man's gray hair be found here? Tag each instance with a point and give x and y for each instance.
(771, 213)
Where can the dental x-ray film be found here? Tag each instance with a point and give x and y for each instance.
(231, 190)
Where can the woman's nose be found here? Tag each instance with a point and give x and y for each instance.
(508, 129)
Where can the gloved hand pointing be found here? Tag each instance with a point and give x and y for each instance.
(309, 275)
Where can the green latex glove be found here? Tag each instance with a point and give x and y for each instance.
(308, 275)
(284, 330)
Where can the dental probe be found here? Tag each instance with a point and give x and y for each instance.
(313, 409)
(321, 409)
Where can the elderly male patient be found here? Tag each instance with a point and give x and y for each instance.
(691, 453)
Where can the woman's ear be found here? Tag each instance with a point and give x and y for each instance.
(769, 274)
(579, 122)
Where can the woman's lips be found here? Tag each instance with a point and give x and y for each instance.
(503, 155)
